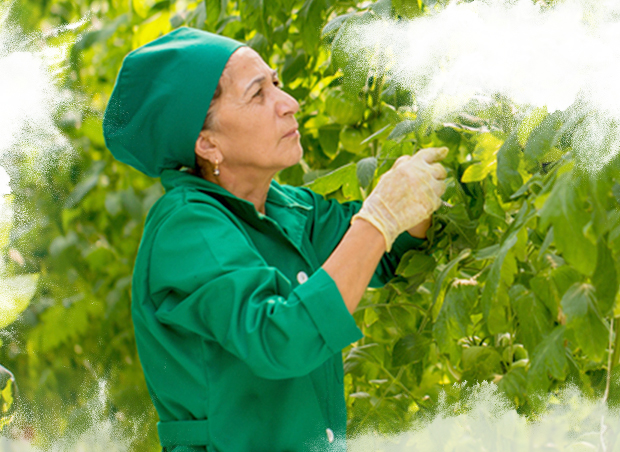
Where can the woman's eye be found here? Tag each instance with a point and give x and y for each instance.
(260, 90)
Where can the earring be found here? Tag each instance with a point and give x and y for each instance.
(216, 170)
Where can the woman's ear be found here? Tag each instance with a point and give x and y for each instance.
(207, 148)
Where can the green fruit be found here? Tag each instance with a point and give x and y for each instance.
(351, 139)
(388, 117)
(344, 109)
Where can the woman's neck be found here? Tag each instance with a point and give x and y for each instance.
(252, 187)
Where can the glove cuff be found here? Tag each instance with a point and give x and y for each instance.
(389, 238)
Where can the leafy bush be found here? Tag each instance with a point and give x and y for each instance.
(517, 285)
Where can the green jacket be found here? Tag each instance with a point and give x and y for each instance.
(239, 329)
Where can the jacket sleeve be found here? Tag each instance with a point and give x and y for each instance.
(332, 220)
(206, 277)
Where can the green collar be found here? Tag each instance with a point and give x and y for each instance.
(286, 214)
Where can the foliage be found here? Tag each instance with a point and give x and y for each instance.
(518, 283)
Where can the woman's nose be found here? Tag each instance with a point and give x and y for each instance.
(286, 104)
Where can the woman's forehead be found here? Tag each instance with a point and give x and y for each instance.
(244, 65)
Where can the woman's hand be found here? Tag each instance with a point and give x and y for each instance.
(419, 230)
(406, 195)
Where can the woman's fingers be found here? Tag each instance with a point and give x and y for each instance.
(438, 171)
(400, 160)
(439, 187)
(432, 155)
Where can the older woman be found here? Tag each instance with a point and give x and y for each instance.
(243, 289)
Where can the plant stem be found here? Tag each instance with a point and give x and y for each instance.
(610, 356)
(616, 355)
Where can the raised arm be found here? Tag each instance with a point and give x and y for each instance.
(405, 196)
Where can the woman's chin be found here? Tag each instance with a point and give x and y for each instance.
(296, 156)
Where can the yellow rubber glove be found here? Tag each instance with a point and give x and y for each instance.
(407, 194)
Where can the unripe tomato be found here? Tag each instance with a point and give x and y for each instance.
(344, 109)
(351, 139)
(388, 117)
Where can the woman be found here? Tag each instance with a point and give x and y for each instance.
(243, 289)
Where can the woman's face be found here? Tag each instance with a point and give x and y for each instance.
(254, 127)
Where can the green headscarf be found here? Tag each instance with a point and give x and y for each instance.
(161, 97)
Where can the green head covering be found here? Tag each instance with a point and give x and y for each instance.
(161, 97)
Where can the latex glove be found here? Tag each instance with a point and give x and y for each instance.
(407, 194)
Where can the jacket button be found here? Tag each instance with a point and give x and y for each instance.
(302, 277)
(330, 435)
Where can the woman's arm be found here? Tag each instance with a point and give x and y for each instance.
(354, 261)
(392, 208)
(419, 230)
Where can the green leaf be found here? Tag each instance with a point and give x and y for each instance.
(564, 209)
(366, 171)
(407, 9)
(584, 321)
(459, 225)
(61, 243)
(86, 185)
(252, 14)
(370, 316)
(541, 140)
(403, 128)
(480, 363)
(509, 157)
(99, 259)
(443, 275)
(329, 138)
(605, 278)
(7, 395)
(260, 44)
(143, 7)
(293, 65)
(514, 385)
(15, 293)
(362, 358)
(198, 17)
(152, 28)
(547, 360)
(98, 36)
(215, 9)
(344, 177)
(414, 263)
(509, 268)
(492, 283)
(334, 25)
(383, 8)
(454, 317)
(533, 317)
(529, 123)
(410, 349)
(489, 252)
(545, 292)
(310, 19)
(491, 205)
(131, 203)
(545, 245)
(113, 203)
(564, 277)
(485, 151)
